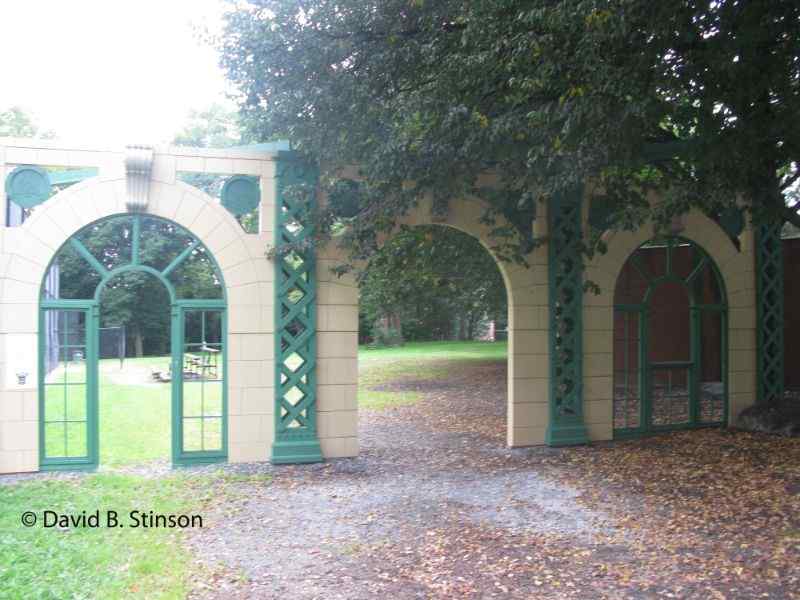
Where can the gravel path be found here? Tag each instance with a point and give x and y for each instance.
(425, 472)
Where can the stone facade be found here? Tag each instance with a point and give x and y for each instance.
(26, 251)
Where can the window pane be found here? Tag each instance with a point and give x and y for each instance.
(212, 434)
(76, 440)
(192, 437)
(196, 277)
(76, 403)
(212, 398)
(110, 241)
(669, 390)
(54, 442)
(712, 388)
(631, 285)
(654, 259)
(627, 395)
(706, 287)
(161, 242)
(685, 258)
(54, 404)
(668, 323)
(70, 276)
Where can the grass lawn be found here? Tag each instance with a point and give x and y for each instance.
(129, 562)
(135, 420)
(414, 361)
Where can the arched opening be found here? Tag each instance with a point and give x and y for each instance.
(132, 299)
(433, 330)
(670, 317)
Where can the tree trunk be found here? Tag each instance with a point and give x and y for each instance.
(138, 343)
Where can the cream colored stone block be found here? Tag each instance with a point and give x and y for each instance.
(250, 373)
(597, 342)
(164, 168)
(231, 255)
(20, 292)
(337, 344)
(246, 429)
(337, 398)
(339, 447)
(337, 424)
(737, 403)
(597, 318)
(258, 401)
(742, 360)
(244, 318)
(252, 452)
(337, 318)
(742, 382)
(189, 164)
(207, 220)
(600, 432)
(240, 275)
(245, 295)
(258, 346)
(742, 339)
(598, 411)
(530, 390)
(741, 318)
(526, 317)
(530, 365)
(598, 365)
(22, 156)
(222, 236)
(18, 461)
(598, 388)
(526, 436)
(19, 435)
(235, 393)
(22, 269)
(11, 406)
(530, 414)
(337, 371)
(19, 318)
(219, 165)
(331, 293)
(30, 405)
(530, 341)
(188, 210)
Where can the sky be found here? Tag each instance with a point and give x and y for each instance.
(111, 72)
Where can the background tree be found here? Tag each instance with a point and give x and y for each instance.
(697, 98)
(430, 282)
(16, 122)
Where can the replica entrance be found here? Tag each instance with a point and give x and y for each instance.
(670, 340)
(69, 333)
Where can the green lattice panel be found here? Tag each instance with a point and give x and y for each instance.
(566, 324)
(769, 257)
(295, 317)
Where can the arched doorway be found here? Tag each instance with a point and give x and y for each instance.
(69, 326)
(670, 340)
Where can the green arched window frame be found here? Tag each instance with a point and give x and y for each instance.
(85, 311)
(631, 328)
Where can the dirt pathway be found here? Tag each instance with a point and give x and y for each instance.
(436, 507)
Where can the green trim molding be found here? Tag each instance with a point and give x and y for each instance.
(565, 287)
(769, 313)
(296, 439)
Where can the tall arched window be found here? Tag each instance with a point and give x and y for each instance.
(173, 267)
(670, 317)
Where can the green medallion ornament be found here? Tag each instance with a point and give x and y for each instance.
(28, 186)
(241, 194)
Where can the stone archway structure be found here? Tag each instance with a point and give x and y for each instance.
(528, 364)
(293, 324)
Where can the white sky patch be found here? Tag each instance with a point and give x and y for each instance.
(109, 71)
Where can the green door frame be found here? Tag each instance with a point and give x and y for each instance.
(91, 308)
(696, 310)
(90, 460)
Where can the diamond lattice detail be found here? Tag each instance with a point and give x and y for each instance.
(770, 312)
